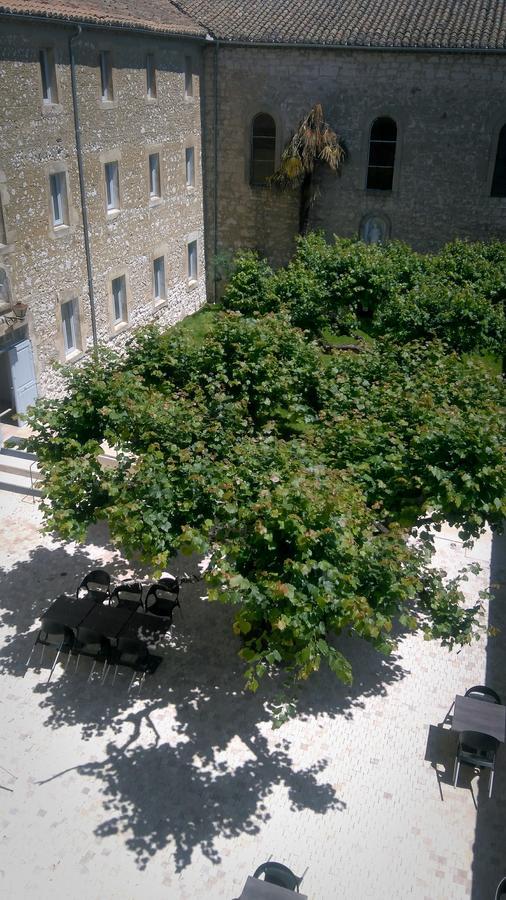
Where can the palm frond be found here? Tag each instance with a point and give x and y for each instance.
(314, 141)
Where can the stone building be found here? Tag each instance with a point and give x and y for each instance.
(137, 97)
(184, 109)
(415, 90)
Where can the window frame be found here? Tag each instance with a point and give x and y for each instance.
(71, 323)
(118, 322)
(151, 79)
(154, 177)
(190, 166)
(499, 159)
(189, 86)
(253, 161)
(106, 77)
(5, 282)
(112, 203)
(392, 168)
(158, 267)
(58, 191)
(48, 78)
(192, 270)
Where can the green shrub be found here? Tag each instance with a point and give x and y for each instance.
(250, 289)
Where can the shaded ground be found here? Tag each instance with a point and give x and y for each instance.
(182, 790)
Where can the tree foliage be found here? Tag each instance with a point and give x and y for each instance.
(388, 290)
(299, 472)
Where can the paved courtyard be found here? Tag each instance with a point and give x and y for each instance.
(182, 790)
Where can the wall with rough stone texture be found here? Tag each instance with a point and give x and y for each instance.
(47, 266)
(448, 107)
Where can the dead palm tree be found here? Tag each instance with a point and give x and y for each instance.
(314, 143)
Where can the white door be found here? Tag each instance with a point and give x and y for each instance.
(22, 372)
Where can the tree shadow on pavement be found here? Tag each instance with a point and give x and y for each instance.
(191, 757)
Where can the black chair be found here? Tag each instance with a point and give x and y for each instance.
(482, 692)
(134, 654)
(277, 873)
(94, 645)
(476, 750)
(163, 597)
(127, 595)
(64, 644)
(96, 585)
(500, 893)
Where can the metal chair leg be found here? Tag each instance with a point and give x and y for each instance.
(490, 783)
(54, 664)
(92, 669)
(456, 771)
(115, 673)
(32, 650)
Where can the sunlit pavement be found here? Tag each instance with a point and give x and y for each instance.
(181, 790)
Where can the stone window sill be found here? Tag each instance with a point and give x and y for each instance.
(51, 109)
(119, 327)
(155, 201)
(74, 355)
(61, 230)
(192, 284)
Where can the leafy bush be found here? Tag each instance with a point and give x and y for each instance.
(249, 290)
(460, 315)
(456, 296)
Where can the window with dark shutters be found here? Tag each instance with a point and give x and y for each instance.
(383, 140)
(263, 148)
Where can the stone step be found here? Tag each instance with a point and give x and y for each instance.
(18, 484)
(16, 462)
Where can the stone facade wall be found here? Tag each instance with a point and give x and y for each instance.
(448, 107)
(47, 266)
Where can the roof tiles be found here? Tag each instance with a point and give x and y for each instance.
(152, 15)
(450, 24)
(479, 24)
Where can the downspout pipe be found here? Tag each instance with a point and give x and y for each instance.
(215, 167)
(82, 186)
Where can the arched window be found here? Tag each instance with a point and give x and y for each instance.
(5, 292)
(380, 171)
(499, 179)
(263, 148)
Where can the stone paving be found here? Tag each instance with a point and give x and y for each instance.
(181, 790)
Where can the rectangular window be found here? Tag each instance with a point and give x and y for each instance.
(188, 77)
(159, 288)
(112, 186)
(192, 261)
(155, 191)
(119, 300)
(48, 75)
(106, 75)
(190, 167)
(150, 76)
(70, 325)
(59, 207)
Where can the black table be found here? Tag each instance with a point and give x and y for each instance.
(108, 620)
(69, 610)
(256, 889)
(479, 715)
(145, 627)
